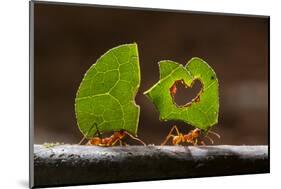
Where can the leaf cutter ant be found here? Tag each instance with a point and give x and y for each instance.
(189, 138)
(113, 139)
(117, 136)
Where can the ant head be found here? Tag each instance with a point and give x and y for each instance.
(196, 132)
(120, 134)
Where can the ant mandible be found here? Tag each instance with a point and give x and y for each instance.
(191, 137)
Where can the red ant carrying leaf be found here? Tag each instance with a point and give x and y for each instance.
(117, 136)
(113, 139)
(189, 138)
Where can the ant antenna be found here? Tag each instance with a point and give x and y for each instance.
(214, 133)
(135, 138)
(211, 140)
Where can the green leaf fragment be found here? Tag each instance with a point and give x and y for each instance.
(202, 111)
(105, 98)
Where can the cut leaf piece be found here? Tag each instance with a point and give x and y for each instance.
(202, 111)
(105, 100)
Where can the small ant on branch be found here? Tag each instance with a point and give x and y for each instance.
(113, 139)
(190, 138)
(117, 136)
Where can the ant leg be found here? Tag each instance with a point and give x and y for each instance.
(84, 137)
(167, 138)
(177, 130)
(195, 142)
(82, 140)
(113, 143)
(170, 134)
(214, 133)
(203, 143)
(97, 132)
(123, 143)
(135, 138)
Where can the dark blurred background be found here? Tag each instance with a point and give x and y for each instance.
(69, 39)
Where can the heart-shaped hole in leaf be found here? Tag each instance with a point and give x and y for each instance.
(202, 111)
(184, 95)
